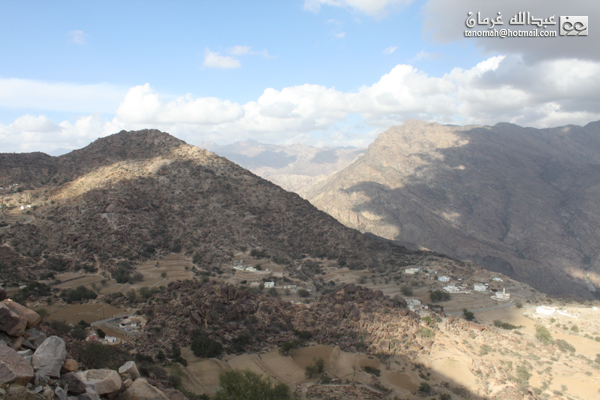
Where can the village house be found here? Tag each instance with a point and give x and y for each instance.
(411, 271)
(479, 287)
(444, 278)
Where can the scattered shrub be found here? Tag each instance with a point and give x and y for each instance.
(406, 290)
(248, 385)
(303, 293)
(565, 346)
(543, 334)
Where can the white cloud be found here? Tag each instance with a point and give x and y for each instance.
(374, 8)
(390, 50)
(60, 96)
(78, 37)
(339, 35)
(247, 50)
(215, 60)
(499, 89)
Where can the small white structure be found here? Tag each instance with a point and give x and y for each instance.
(545, 310)
(415, 305)
(269, 284)
(444, 278)
(501, 296)
(245, 268)
(479, 287)
(497, 279)
(411, 271)
(451, 289)
(111, 339)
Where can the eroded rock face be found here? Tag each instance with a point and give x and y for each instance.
(104, 381)
(35, 336)
(30, 316)
(142, 390)
(13, 367)
(11, 322)
(50, 357)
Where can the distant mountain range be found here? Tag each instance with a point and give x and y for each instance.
(521, 201)
(293, 167)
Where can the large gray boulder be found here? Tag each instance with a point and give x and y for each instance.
(142, 390)
(50, 357)
(13, 367)
(104, 381)
(11, 322)
(30, 316)
(129, 371)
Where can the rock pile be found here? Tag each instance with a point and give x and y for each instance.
(349, 317)
(34, 367)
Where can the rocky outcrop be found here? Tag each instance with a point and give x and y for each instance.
(13, 367)
(30, 316)
(11, 322)
(103, 381)
(142, 390)
(50, 357)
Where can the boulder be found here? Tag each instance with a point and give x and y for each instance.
(18, 392)
(31, 316)
(11, 322)
(3, 294)
(69, 365)
(72, 384)
(104, 381)
(142, 390)
(13, 367)
(174, 394)
(50, 357)
(129, 371)
(35, 336)
(60, 393)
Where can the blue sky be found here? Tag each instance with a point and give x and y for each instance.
(321, 72)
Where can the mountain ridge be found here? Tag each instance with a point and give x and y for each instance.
(503, 196)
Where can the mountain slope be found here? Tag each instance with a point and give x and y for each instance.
(292, 167)
(134, 194)
(520, 201)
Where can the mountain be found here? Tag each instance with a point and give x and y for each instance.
(134, 195)
(520, 201)
(292, 167)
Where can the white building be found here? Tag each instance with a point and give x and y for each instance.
(451, 289)
(501, 296)
(497, 279)
(479, 287)
(545, 310)
(444, 279)
(269, 284)
(411, 271)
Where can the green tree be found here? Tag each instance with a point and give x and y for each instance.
(406, 290)
(439, 295)
(205, 347)
(247, 385)
(469, 316)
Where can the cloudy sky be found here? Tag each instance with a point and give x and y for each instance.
(320, 72)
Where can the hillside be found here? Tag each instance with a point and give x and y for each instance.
(520, 201)
(133, 196)
(293, 167)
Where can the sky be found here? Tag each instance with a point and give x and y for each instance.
(318, 72)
